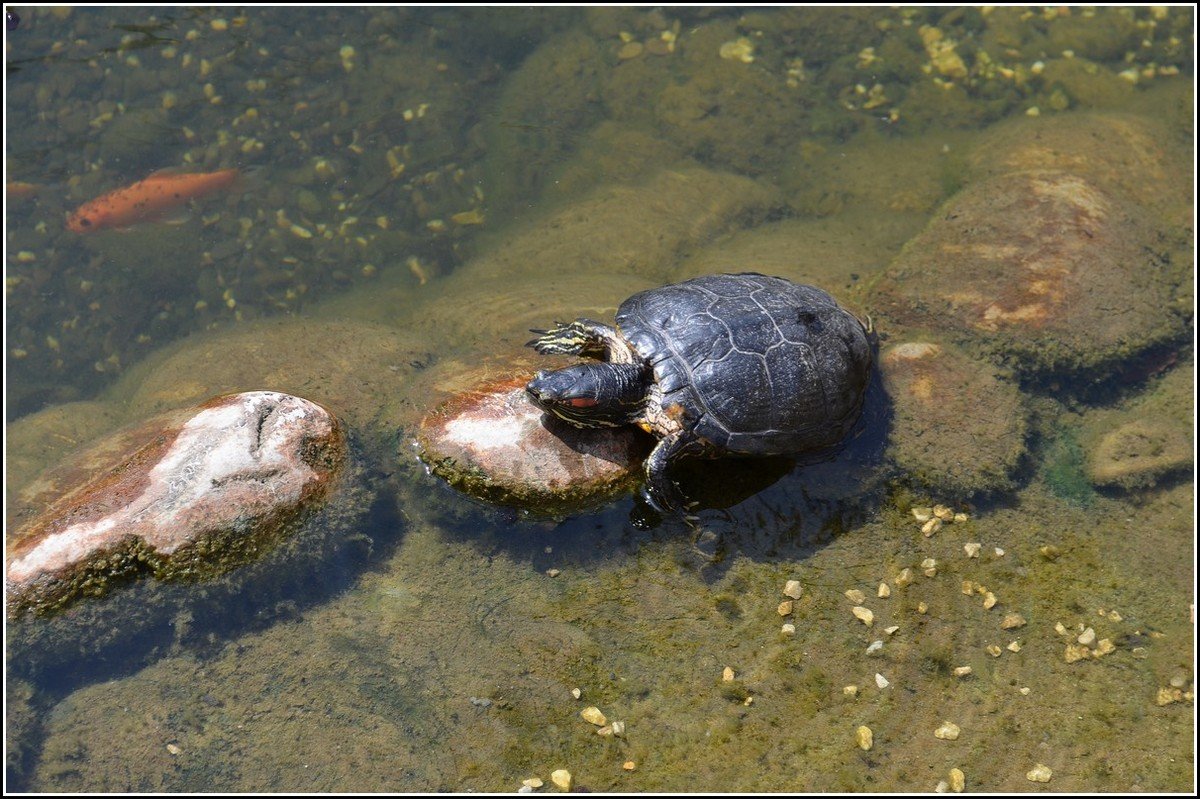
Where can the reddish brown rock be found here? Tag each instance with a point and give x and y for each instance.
(190, 494)
(956, 427)
(491, 442)
(1042, 269)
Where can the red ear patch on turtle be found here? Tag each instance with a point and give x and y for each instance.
(582, 402)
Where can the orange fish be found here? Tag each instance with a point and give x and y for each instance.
(147, 199)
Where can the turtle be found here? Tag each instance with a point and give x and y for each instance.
(721, 365)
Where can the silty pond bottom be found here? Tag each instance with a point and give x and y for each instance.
(422, 187)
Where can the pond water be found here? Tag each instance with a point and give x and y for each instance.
(417, 188)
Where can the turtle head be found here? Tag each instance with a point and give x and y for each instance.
(591, 394)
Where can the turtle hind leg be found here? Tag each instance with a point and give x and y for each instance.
(582, 337)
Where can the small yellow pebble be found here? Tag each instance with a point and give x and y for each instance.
(727, 674)
(1075, 652)
(785, 608)
(947, 732)
(958, 780)
(922, 514)
(905, 577)
(864, 738)
(930, 527)
(1039, 773)
(989, 601)
(593, 715)
(972, 549)
(850, 690)
(533, 782)
(1013, 647)
(863, 614)
(629, 765)
(922, 608)
(792, 589)
(1012, 621)
(856, 596)
(994, 650)
(561, 778)
(173, 749)
(884, 591)
(575, 692)
(962, 671)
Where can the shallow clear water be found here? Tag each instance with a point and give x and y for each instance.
(394, 163)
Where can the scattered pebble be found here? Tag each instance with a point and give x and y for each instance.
(575, 692)
(792, 589)
(1025, 691)
(958, 780)
(960, 517)
(962, 671)
(1087, 637)
(874, 647)
(741, 49)
(972, 549)
(1012, 621)
(884, 592)
(941, 787)
(892, 630)
(785, 608)
(788, 629)
(863, 614)
(922, 608)
(930, 527)
(629, 765)
(864, 738)
(1076, 652)
(947, 732)
(173, 749)
(922, 514)
(943, 513)
(618, 728)
(905, 577)
(1168, 696)
(552, 572)
(1059, 628)
(881, 681)
(994, 650)
(999, 552)
(929, 566)
(850, 690)
(1104, 647)
(1050, 552)
(856, 596)
(1013, 647)
(533, 782)
(989, 601)
(1039, 773)
(562, 778)
(727, 674)
(593, 715)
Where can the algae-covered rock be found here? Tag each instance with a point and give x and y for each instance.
(637, 228)
(359, 368)
(1132, 157)
(957, 428)
(491, 442)
(1044, 270)
(1149, 439)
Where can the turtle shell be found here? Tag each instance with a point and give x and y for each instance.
(751, 364)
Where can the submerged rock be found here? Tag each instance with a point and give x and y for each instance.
(189, 494)
(956, 427)
(1043, 270)
(492, 443)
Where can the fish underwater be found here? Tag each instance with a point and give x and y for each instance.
(148, 199)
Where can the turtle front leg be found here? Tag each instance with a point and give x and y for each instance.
(582, 337)
(662, 492)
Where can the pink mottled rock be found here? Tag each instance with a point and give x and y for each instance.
(189, 494)
(491, 442)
